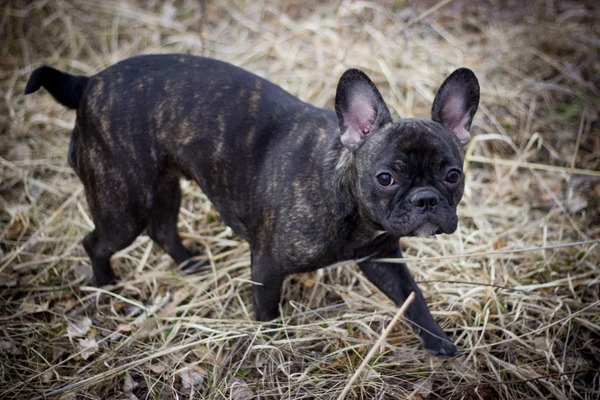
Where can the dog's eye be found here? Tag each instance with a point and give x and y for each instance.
(453, 176)
(385, 179)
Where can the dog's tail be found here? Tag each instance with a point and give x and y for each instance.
(67, 89)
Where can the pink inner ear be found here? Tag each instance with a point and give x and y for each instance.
(357, 122)
(456, 118)
(453, 112)
(361, 114)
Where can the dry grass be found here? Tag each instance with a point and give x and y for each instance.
(517, 286)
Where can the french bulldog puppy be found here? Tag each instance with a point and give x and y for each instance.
(305, 186)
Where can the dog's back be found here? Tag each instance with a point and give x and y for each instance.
(148, 120)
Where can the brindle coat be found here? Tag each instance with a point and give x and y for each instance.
(275, 168)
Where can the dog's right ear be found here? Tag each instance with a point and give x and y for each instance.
(360, 108)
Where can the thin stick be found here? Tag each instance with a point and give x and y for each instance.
(542, 167)
(486, 253)
(375, 348)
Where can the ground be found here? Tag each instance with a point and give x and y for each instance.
(516, 287)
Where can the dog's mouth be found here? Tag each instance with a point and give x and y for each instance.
(427, 229)
(428, 224)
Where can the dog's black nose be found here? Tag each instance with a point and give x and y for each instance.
(425, 200)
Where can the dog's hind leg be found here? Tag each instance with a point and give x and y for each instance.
(120, 213)
(101, 244)
(99, 254)
(163, 220)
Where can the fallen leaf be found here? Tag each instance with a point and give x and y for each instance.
(240, 390)
(79, 328)
(47, 375)
(31, 308)
(158, 368)
(423, 388)
(192, 378)
(87, 347)
(204, 353)
(9, 347)
(576, 204)
(15, 230)
(129, 384)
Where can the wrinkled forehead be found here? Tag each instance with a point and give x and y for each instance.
(418, 140)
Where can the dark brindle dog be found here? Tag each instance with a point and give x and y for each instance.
(306, 187)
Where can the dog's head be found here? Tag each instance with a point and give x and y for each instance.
(409, 171)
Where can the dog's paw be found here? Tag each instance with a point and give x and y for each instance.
(438, 344)
(104, 280)
(443, 349)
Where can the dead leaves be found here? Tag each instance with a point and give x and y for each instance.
(82, 328)
(79, 328)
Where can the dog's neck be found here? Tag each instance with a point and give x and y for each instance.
(341, 185)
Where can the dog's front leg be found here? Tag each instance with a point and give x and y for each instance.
(397, 283)
(268, 278)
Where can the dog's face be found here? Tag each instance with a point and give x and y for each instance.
(409, 171)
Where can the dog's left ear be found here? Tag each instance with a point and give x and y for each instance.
(456, 103)
(360, 108)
